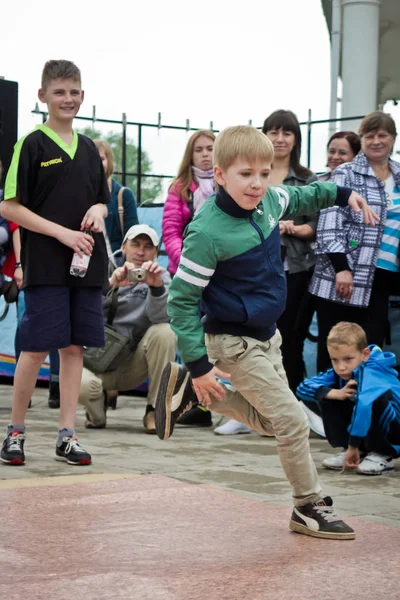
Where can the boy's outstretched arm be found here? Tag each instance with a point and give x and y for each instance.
(310, 199)
(196, 267)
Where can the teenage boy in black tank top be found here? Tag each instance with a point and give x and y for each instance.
(56, 189)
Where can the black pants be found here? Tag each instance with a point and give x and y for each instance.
(374, 319)
(337, 415)
(293, 325)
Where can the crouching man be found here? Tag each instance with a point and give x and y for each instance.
(142, 316)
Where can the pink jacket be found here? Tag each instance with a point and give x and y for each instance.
(176, 216)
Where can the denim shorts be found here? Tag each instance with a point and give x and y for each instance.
(57, 317)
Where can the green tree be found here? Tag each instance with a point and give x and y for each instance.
(151, 186)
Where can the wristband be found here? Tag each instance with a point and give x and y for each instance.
(18, 266)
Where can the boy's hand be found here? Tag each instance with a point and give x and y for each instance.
(207, 384)
(358, 204)
(346, 393)
(94, 218)
(153, 273)
(80, 242)
(351, 459)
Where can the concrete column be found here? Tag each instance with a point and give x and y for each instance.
(360, 53)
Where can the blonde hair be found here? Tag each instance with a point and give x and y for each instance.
(347, 334)
(60, 69)
(105, 146)
(242, 142)
(185, 175)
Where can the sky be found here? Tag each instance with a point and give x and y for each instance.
(225, 61)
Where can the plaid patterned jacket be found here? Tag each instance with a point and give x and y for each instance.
(342, 230)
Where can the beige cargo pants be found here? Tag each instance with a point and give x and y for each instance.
(155, 350)
(264, 402)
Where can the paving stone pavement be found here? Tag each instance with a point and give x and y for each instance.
(246, 465)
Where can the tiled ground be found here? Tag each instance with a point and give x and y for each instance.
(102, 532)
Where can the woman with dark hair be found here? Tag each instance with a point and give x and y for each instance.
(358, 266)
(283, 129)
(343, 147)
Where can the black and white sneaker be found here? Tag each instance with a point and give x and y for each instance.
(71, 452)
(175, 396)
(12, 451)
(318, 519)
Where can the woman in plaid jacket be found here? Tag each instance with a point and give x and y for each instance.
(357, 265)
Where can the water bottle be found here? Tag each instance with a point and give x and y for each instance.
(80, 264)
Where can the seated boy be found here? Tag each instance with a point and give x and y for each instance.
(231, 262)
(360, 402)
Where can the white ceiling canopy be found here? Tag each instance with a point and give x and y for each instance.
(389, 48)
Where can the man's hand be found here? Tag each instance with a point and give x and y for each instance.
(80, 242)
(344, 284)
(120, 276)
(207, 384)
(94, 218)
(358, 204)
(346, 393)
(351, 459)
(153, 273)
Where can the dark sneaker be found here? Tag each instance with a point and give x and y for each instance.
(71, 452)
(175, 396)
(54, 395)
(149, 420)
(12, 451)
(318, 519)
(112, 398)
(198, 416)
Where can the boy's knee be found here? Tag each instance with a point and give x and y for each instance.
(294, 424)
(35, 357)
(71, 352)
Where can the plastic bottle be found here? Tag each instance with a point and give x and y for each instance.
(80, 265)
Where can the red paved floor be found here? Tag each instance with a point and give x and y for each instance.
(154, 538)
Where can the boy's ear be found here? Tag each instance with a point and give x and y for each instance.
(219, 175)
(41, 94)
(366, 353)
(82, 95)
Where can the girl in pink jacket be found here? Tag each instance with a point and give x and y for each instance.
(187, 193)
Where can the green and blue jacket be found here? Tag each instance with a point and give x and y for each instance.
(231, 265)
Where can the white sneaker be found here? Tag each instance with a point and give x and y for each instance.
(335, 462)
(315, 421)
(375, 464)
(232, 427)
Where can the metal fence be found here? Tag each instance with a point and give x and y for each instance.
(139, 176)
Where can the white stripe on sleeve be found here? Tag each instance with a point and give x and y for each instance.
(191, 279)
(195, 267)
(283, 199)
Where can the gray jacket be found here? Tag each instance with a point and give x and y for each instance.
(139, 307)
(299, 253)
